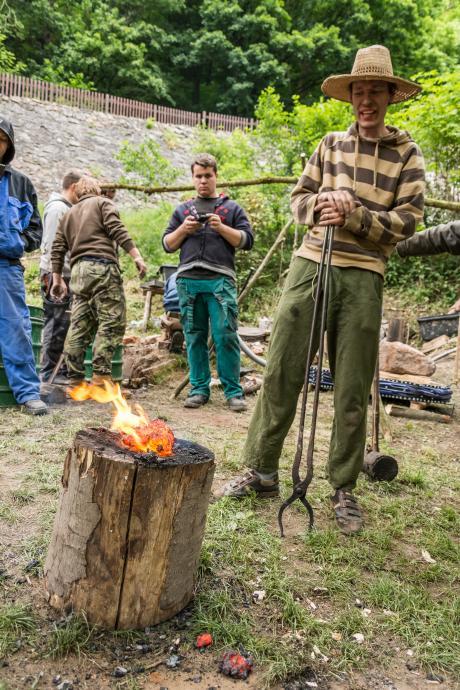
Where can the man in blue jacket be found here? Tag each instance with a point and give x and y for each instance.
(207, 230)
(20, 231)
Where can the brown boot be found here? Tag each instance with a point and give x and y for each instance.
(347, 512)
(250, 483)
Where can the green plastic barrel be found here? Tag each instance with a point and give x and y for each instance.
(37, 319)
(117, 364)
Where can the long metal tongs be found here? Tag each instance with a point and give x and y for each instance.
(321, 293)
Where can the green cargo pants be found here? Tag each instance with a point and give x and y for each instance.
(211, 301)
(98, 309)
(353, 325)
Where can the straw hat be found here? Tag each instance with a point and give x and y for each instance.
(370, 63)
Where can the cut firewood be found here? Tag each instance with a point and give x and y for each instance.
(127, 535)
(419, 415)
(436, 343)
(411, 378)
(417, 405)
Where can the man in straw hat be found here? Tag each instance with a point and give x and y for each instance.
(369, 183)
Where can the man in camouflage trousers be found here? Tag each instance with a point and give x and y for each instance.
(91, 232)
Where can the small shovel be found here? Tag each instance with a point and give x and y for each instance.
(378, 466)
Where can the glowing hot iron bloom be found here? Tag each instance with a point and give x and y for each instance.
(136, 431)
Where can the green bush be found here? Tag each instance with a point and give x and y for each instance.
(430, 281)
(146, 227)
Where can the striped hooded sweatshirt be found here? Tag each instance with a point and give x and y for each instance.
(386, 176)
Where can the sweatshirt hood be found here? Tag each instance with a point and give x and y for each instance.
(7, 128)
(395, 137)
(54, 197)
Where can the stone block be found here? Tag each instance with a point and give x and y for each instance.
(399, 358)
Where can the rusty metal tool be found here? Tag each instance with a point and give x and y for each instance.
(320, 296)
(378, 466)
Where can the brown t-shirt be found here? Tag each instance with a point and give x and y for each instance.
(90, 228)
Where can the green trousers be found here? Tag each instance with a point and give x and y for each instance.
(353, 326)
(211, 301)
(98, 313)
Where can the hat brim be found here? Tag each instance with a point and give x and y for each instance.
(338, 86)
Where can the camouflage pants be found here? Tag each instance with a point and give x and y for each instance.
(98, 314)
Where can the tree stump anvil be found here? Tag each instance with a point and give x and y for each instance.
(128, 531)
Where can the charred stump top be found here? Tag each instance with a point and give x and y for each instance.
(109, 444)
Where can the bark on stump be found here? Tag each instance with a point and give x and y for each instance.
(128, 531)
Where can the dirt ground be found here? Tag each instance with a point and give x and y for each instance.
(32, 452)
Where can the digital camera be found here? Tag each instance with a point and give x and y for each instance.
(203, 217)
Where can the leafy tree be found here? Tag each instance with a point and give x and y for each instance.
(92, 44)
(145, 165)
(433, 120)
(213, 55)
(7, 58)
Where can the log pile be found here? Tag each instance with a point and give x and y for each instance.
(144, 360)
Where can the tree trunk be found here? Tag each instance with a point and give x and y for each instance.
(128, 531)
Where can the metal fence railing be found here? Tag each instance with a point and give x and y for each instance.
(25, 87)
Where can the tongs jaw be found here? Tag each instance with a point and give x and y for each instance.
(299, 493)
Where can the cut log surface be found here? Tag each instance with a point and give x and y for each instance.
(128, 532)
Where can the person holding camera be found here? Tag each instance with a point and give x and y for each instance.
(208, 229)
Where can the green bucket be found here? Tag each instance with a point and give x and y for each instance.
(117, 364)
(7, 398)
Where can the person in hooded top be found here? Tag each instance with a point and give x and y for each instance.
(57, 314)
(369, 183)
(20, 231)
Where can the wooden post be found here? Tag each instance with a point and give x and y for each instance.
(147, 309)
(127, 535)
(397, 330)
(279, 240)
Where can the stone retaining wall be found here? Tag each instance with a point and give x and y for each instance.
(52, 138)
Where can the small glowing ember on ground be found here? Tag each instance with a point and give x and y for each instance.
(136, 431)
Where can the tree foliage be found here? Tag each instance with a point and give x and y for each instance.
(145, 165)
(219, 56)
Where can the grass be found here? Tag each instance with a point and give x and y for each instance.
(383, 568)
(17, 623)
(70, 636)
(312, 581)
(8, 513)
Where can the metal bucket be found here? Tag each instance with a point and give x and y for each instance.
(7, 398)
(117, 364)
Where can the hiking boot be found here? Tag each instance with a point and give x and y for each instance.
(347, 512)
(249, 483)
(35, 407)
(237, 404)
(194, 401)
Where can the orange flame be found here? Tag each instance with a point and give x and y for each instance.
(136, 431)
